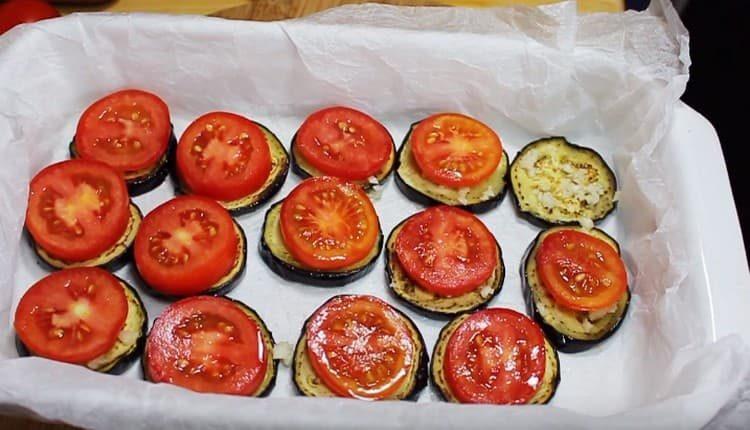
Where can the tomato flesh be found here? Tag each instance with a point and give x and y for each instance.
(77, 209)
(455, 150)
(223, 156)
(495, 356)
(580, 271)
(186, 245)
(446, 250)
(360, 347)
(14, 12)
(343, 142)
(207, 344)
(128, 130)
(327, 223)
(73, 315)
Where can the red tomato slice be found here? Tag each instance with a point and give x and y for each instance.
(128, 130)
(77, 209)
(207, 344)
(185, 246)
(495, 356)
(343, 142)
(14, 12)
(360, 347)
(446, 250)
(455, 150)
(580, 271)
(328, 224)
(223, 156)
(73, 315)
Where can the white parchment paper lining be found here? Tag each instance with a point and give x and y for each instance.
(607, 80)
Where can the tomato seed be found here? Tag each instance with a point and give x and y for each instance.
(57, 333)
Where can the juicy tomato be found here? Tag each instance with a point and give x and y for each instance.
(455, 150)
(186, 245)
(14, 12)
(343, 142)
(223, 156)
(580, 271)
(73, 315)
(495, 356)
(328, 223)
(446, 250)
(129, 130)
(77, 209)
(207, 344)
(360, 347)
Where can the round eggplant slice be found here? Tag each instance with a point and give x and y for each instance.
(569, 330)
(129, 343)
(309, 384)
(269, 380)
(479, 198)
(429, 303)
(557, 182)
(274, 182)
(276, 255)
(544, 393)
(111, 259)
(144, 180)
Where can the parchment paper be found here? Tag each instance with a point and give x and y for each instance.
(606, 81)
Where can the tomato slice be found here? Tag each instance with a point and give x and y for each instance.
(580, 271)
(223, 156)
(343, 142)
(446, 250)
(14, 12)
(77, 209)
(360, 347)
(455, 150)
(128, 130)
(186, 245)
(207, 344)
(73, 315)
(328, 223)
(495, 356)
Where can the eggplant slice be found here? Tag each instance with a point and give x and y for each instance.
(309, 384)
(269, 381)
(431, 304)
(559, 183)
(569, 330)
(144, 180)
(479, 198)
(111, 259)
(129, 343)
(304, 169)
(544, 394)
(274, 182)
(275, 254)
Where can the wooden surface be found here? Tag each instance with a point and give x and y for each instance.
(270, 10)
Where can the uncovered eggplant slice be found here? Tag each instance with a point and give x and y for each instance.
(428, 302)
(309, 384)
(569, 330)
(275, 254)
(558, 182)
(129, 343)
(543, 395)
(144, 180)
(304, 169)
(274, 182)
(111, 259)
(479, 198)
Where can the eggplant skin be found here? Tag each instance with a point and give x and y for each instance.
(420, 377)
(267, 337)
(561, 341)
(311, 277)
(154, 178)
(124, 362)
(417, 196)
